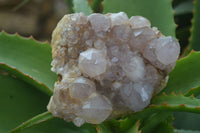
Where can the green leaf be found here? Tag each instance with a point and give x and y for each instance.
(153, 122)
(27, 59)
(186, 121)
(19, 101)
(195, 39)
(96, 5)
(159, 12)
(33, 121)
(82, 6)
(69, 5)
(185, 131)
(101, 128)
(164, 127)
(186, 75)
(193, 91)
(44, 123)
(59, 126)
(134, 128)
(184, 7)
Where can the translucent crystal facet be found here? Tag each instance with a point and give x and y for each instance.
(108, 66)
(92, 62)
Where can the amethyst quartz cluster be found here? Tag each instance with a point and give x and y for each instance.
(107, 66)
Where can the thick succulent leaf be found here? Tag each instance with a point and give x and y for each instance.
(27, 59)
(164, 127)
(186, 75)
(184, 7)
(185, 131)
(82, 6)
(159, 12)
(152, 123)
(33, 121)
(59, 126)
(102, 128)
(193, 91)
(96, 5)
(134, 128)
(70, 5)
(186, 121)
(19, 101)
(195, 39)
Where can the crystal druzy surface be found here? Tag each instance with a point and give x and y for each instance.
(107, 66)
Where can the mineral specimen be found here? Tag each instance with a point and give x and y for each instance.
(107, 66)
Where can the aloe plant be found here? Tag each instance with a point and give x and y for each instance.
(26, 81)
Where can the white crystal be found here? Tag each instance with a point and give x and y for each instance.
(89, 43)
(162, 51)
(167, 51)
(141, 37)
(152, 76)
(122, 32)
(79, 18)
(81, 88)
(139, 22)
(78, 121)
(96, 109)
(116, 85)
(92, 62)
(99, 44)
(118, 18)
(107, 66)
(135, 69)
(99, 22)
(138, 96)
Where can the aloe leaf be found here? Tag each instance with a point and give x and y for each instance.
(59, 126)
(28, 60)
(33, 121)
(96, 4)
(185, 131)
(82, 6)
(102, 128)
(45, 122)
(19, 101)
(193, 91)
(195, 32)
(186, 75)
(151, 124)
(186, 121)
(164, 127)
(159, 12)
(134, 128)
(184, 7)
(70, 5)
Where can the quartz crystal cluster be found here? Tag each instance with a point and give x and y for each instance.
(107, 66)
